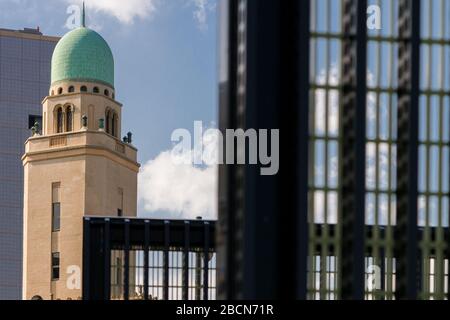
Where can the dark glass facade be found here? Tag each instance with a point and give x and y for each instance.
(25, 58)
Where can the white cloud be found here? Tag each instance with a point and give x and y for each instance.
(126, 11)
(201, 9)
(179, 191)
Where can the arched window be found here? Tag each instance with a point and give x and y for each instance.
(59, 120)
(71, 89)
(96, 90)
(107, 92)
(108, 121)
(114, 125)
(60, 90)
(83, 89)
(69, 119)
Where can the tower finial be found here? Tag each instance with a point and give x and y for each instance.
(83, 17)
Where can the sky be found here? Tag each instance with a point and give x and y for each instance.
(166, 77)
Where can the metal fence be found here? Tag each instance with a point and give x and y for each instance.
(376, 108)
(140, 259)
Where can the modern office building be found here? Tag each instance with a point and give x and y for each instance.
(24, 79)
(77, 166)
(360, 206)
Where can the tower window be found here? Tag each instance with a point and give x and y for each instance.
(56, 217)
(69, 119)
(55, 266)
(107, 92)
(96, 90)
(60, 90)
(59, 120)
(71, 89)
(114, 125)
(108, 121)
(83, 89)
(120, 198)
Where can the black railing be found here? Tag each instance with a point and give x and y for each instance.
(142, 259)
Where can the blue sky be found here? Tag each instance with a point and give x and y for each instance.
(166, 77)
(165, 63)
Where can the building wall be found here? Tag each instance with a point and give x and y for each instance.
(24, 82)
(90, 177)
(83, 103)
(97, 174)
(38, 223)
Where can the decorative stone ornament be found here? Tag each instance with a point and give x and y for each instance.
(84, 122)
(35, 129)
(101, 124)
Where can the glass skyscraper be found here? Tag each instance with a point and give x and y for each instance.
(25, 57)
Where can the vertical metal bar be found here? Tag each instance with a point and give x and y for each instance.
(302, 149)
(86, 259)
(353, 148)
(186, 260)
(126, 269)
(146, 256)
(228, 114)
(198, 268)
(166, 260)
(238, 191)
(107, 261)
(407, 155)
(383, 273)
(447, 254)
(206, 245)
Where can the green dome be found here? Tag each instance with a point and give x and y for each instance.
(83, 55)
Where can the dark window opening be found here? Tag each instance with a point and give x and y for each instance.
(59, 120)
(114, 125)
(71, 89)
(106, 92)
(55, 266)
(60, 90)
(96, 90)
(119, 213)
(69, 119)
(83, 89)
(108, 121)
(56, 217)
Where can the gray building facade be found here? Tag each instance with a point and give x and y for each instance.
(25, 58)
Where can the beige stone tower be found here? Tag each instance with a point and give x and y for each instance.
(77, 166)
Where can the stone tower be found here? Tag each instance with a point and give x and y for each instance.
(76, 166)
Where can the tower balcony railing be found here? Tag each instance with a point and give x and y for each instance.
(73, 140)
